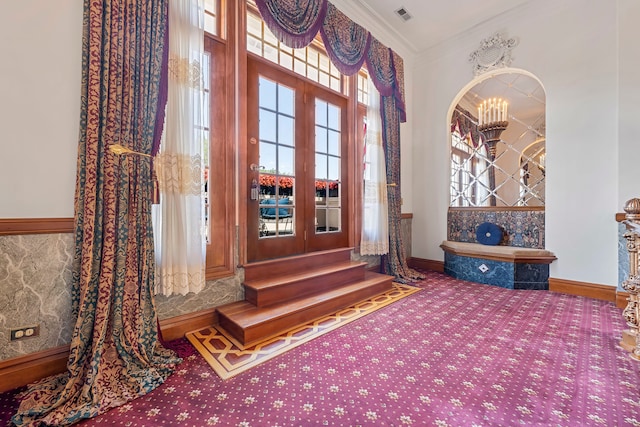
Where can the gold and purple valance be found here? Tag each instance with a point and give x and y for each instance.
(346, 42)
(386, 70)
(294, 22)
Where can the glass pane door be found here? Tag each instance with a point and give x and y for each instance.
(297, 168)
(328, 159)
(276, 110)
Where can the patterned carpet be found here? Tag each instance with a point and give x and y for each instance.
(227, 359)
(454, 354)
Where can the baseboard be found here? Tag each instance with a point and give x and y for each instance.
(21, 370)
(15, 226)
(621, 299)
(426, 264)
(175, 327)
(590, 290)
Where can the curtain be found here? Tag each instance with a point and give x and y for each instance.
(346, 42)
(178, 219)
(294, 22)
(395, 262)
(115, 354)
(375, 231)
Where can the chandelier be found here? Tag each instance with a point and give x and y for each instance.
(492, 121)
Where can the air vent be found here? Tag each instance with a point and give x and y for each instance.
(403, 13)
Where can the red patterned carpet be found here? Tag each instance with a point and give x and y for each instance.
(454, 354)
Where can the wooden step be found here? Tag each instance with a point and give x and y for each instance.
(276, 289)
(284, 266)
(248, 325)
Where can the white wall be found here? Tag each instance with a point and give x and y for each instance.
(571, 46)
(40, 47)
(629, 105)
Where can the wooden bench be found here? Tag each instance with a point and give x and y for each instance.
(505, 266)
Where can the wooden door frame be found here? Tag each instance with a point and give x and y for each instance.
(282, 245)
(316, 242)
(355, 140)
(354, 147)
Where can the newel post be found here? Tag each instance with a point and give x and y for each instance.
(631, 337)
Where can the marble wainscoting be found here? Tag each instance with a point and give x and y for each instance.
(623, 257)
(35, 284)
(35, 289)
(504, 274)
(215, 293)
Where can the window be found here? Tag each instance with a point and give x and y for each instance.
(363, 87)
(218, 149)
(311, 62)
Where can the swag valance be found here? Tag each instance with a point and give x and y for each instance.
(296, 22)
(466, 124)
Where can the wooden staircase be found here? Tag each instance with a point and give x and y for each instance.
(284, 293)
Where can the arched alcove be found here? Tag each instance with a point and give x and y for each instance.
(485, 174)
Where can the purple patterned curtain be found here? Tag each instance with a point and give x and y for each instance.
(383, 65)
(115, 353)
(294, 22)
(398, 89)
(395, 262)
(347, 43)
(380, 67)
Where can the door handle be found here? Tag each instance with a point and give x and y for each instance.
(255, 190)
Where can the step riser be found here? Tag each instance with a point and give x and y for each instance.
(289, 291)
(308, 261)
(259, 332)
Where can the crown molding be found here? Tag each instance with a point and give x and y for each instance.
(361, 13)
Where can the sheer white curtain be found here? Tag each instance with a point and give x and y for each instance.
(375, 227)
(180, 243)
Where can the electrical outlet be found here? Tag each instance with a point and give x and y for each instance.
(25, 332)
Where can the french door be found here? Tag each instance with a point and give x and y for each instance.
(297, 157)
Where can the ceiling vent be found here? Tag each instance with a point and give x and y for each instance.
(403, 13)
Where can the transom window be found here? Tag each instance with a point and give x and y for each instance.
(363, 86)
(311, 61)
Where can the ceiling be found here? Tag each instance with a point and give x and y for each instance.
(432, 21)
